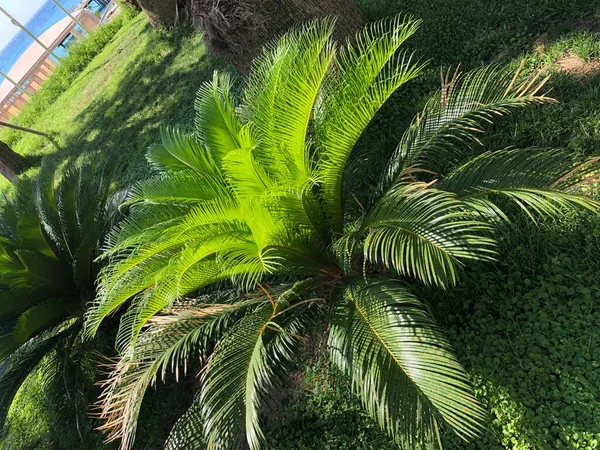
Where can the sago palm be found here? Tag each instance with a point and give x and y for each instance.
(48, 236)
(254, 216)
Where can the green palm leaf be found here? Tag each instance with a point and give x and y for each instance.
(535, 179)
(424, 233)
(368, 73)
(245, 365)
(180, 151)
(35, 319)
(454, 117)
(17, 300)
(17, 367)
(217, 123)
(283, 88)
(231, 383)
(167, 345)
(46, 198)
(184, 187)
(46, 269)
(401, 365)
(93, 192)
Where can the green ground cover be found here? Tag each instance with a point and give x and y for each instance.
(526, 328)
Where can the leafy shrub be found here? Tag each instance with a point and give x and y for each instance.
(129, 8)
(49, 233)
(259, 195)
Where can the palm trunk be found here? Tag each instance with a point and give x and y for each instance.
(11, 163)
(160, 12)
(239, 29)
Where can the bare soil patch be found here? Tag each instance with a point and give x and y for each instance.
(578, 67)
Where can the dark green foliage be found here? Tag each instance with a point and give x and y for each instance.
(476, 32)
(322, 415)
(528, 330)
(48, 237)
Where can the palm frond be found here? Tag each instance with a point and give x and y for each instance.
(166, 346)
(94, 190)
(282, 90)
(454, 118)
(37, 318)
(46, 202)
(162, 296)
(188, 250)
(66, 205)
(231, 381)
(17, 367)
(42, 270)
(217, 124)
(369, 71)
(181, 151)
(17, 300)
(247, 177)
(424, 233)
(182, 187)
(538, 180)
(245, 365)
(293, 316)
(401, 365)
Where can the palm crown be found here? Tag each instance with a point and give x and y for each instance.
(253, 213)
(48, 235)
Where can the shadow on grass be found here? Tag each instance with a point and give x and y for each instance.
(474, 32)
(527, 330)
(477, 32)
(120, 126)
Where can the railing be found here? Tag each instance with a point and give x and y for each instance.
(33, 79)
(30, 82)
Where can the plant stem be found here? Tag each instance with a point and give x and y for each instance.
(26, 130)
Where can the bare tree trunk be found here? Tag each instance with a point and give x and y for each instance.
(160, 12)
(11, 163)
(239, 29)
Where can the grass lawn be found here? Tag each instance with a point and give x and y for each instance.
(526, 328)
(140, 82)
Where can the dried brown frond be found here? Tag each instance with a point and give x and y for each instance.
(581, 175)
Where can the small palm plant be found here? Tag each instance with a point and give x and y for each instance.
(48, 235)
(254, 216)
